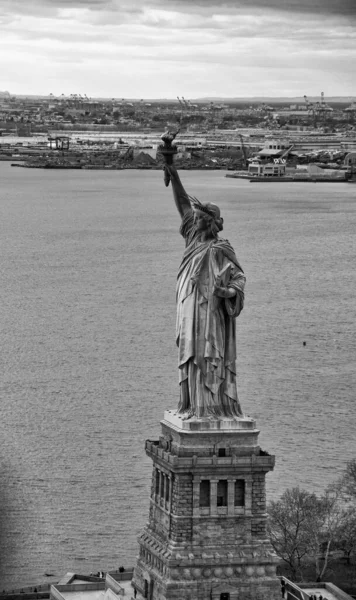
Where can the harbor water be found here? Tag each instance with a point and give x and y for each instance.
(89, 363)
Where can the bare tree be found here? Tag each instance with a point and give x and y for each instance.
(324, 528)
(346, 534)
(348, 480)
(303, 528)
(290, 524)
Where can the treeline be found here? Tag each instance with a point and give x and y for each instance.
(307, 530)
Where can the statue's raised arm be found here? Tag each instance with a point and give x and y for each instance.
(168, 150)
(210, 295)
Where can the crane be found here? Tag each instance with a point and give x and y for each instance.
(129, 154)
(284, 153)
(318, 109)
(322, 107)
(311, 110)
(185, 102)
(243, 148)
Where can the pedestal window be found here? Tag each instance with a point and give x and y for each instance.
(204, 494)
(168, 484)
(221, 499)
(157, 482)
(239, 492)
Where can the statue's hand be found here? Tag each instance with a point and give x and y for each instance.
(169, 136)
(224, 292)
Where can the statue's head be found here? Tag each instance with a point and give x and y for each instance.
(207, 216)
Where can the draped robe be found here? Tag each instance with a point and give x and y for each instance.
(206, 332)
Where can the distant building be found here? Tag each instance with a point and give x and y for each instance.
(271, 169)
(59, 142)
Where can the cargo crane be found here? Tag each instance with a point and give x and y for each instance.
(351, 112)
(215, 108)
(129, 154)
(183, 108)
(311, 111)
(244, 152)
(186, 105)
(190, 105)
(185, 102)
(323, 108)
(285, 152)
(318, 109)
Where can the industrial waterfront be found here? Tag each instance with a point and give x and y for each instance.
(310, 140)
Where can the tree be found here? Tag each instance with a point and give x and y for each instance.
(323, 529)
(289, 525)
(303, 528)
(345, 537)
(348, 480)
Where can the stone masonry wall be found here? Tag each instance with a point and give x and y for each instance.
(258, 493)
(206, 590)
(258, 526)
(221, 531)
(182, 494)
(181, 523)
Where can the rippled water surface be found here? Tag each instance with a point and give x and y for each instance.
(88, 364)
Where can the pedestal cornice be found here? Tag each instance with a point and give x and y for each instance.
(176, 463)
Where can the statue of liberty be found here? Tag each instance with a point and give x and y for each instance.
(210, 295)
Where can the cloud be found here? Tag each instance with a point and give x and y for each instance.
(323, 8)
(346, 8)
(203, 44)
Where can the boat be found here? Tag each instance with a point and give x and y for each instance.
(306, 179)
(270, 179)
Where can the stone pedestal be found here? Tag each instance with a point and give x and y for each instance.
(206, 534)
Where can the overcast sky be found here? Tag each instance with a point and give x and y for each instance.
(190, 48)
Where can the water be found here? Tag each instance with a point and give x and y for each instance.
(88, 268)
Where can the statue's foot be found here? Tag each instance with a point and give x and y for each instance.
(186, 415)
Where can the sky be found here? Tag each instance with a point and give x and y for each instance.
(168, 48)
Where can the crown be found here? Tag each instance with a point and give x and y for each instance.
(197, 205)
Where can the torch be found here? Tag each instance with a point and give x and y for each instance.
(168, 150)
